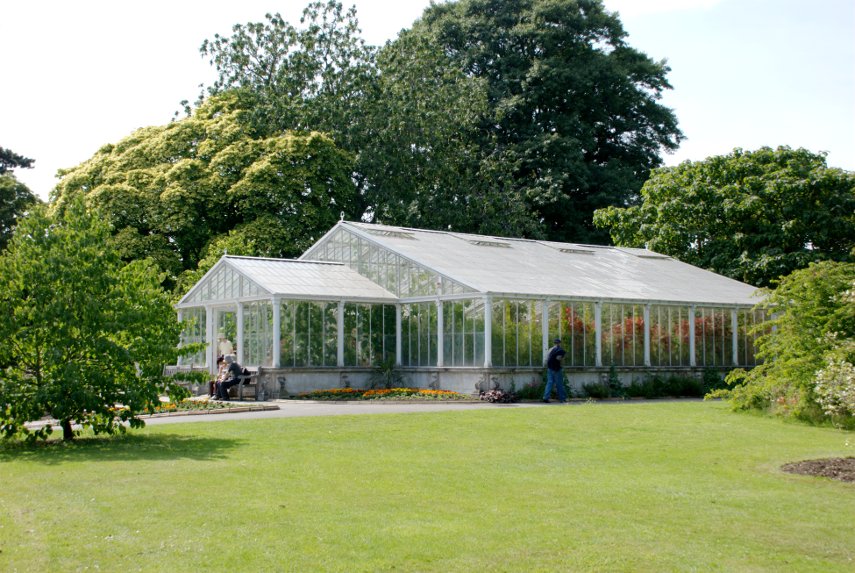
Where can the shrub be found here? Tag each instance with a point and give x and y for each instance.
(532, 391)
(835, 392)
(656, 387)
(616, 389)
(712, 380)
(812, 321)
(596, 390)
(498, 396)
(385, 374)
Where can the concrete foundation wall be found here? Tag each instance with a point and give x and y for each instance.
(285, 382)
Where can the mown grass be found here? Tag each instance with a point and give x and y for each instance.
(683, 486)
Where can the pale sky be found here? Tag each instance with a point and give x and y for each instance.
(746, 73)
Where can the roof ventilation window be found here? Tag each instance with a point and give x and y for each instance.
(391, 233)
(485, 243)
(576, 251)
(654, 256)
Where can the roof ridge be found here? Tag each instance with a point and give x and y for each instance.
(280, 260)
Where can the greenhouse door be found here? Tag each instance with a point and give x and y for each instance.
(225, 332)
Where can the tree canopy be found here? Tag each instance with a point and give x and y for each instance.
(169, 191)
(573, 121)
(15, 200)
(753, 216)
(306, 78)
(515, 118)
(15, 197)
(10, 160)
(83, 333)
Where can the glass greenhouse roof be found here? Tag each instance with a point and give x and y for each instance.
(520, 267)
(251, 277)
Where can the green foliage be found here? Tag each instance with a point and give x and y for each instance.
(654, 387)
(597, 390)
(15, 200)
(712, 380)
(533, 390)
(752, 216)
(307, 78)
(505, 118)
(10, 160)
(183, 192)
(82, 332)
(386, 374)
(573, 121)
(811, 326)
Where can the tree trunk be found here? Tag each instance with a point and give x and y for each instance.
(67, 433)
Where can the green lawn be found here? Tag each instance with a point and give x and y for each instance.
(649, 486)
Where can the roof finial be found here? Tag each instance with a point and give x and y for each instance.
(342, 216)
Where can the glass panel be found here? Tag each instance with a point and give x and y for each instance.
(623, 334)
(573, 323)
(418, 334)
(258, 333)
(610, 339)
(395, 274)
(369, 334)
(195, 328)
(463, 336)
(226, 328)
(517, 335)
(308, 333)
(713, 337)
(669, 336)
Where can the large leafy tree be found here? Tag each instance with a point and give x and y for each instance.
(310, 77)
(573, 121)
(420, 161)
(170, 191)
(15, 197)
(82, 331)
(753, 216)
(495, 116)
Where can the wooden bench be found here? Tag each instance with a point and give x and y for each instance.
(247, 384)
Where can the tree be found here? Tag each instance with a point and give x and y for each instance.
(15, 200)
(310, 78)
(15, 197)
(10, 160)
(753, 216)
(488, 116)
(808, 341)
(573, 121)
(83, 333)
(420, 161)
(169, 191)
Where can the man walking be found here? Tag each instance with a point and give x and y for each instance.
(554, 374)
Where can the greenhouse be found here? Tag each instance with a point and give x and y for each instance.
(464, 312)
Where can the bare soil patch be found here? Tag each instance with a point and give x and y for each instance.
(842, 469)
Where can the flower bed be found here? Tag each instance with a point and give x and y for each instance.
(414, 394)
(188, 405)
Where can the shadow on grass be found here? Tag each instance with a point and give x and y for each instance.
(128, 447)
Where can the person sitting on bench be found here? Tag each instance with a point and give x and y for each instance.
(232, 377)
